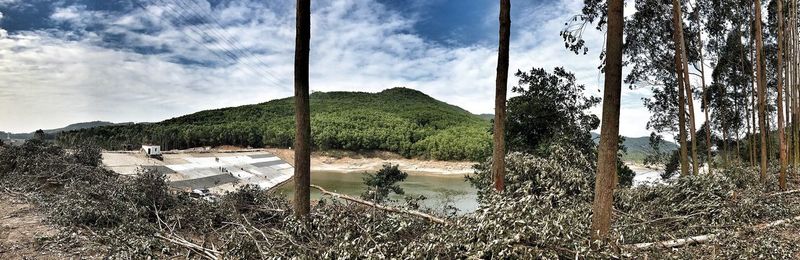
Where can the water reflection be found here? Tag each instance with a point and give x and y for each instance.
(440, 190)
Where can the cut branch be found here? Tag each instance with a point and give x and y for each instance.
(783, 193)
(205, 252)
(703, 238)
(378, 206)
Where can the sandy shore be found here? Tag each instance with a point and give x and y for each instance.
(322, 162)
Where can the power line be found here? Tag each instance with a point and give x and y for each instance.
(233, 57)
(220, 31)
(229, 56)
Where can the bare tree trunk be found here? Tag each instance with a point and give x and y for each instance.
(677, 20)
(787, 91)
(705, 101)
(792, 46)
(754, 106)
(687, 85)
(302, 137)
(779, 72)
(794, 87)
(762, 122)
(606, 179)
(499, 151)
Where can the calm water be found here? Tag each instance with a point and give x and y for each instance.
(438, 189)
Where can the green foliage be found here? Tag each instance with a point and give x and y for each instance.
(624, 174)
(654, 155)
(671, 167)
(534, 175)
(383, 182)
(399, 120)
(550, 109)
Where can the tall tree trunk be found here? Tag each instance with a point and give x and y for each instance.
(794, 80)
(606, 179)
(705, 101)
(787, 90)
(787, 87)
(302, 136)
(796, 95)
(779, 72)
(754, 105)
(687, 85)
(794, 88)
(681, 86)
(501, 83)
(761, 80)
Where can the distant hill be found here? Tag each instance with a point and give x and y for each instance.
(400, 120)
(486, 116)
(84, 125)
(76, 126)
(638, 146)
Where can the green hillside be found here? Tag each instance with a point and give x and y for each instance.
(400, 120)
(638, 146)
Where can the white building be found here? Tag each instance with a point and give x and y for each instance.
(151, 150)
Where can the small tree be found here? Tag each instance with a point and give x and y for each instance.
(39, 135)
(384, 182)
(654, 155)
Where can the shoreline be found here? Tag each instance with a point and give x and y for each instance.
(348, 164)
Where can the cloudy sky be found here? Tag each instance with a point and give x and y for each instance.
(67, 61)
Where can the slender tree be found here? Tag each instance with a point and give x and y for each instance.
(704, 101)
(794, 80)
(687, 86)
(779, 72)
(761, 82)
(302, 137)
(609, 131)
(501, 83)
(677, 37)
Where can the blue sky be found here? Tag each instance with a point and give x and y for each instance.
(70, 61)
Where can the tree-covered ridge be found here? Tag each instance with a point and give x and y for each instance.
(400, 120)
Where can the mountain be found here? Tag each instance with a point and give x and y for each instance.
(400, 120)
(487, 117)
(76, 126)
(84, 125)
(638, 146)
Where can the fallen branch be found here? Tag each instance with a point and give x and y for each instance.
(676, 218)
(205, 252)
(703, 238)
(378, 206)
(776, 223)
(783, 193)
(673, 243)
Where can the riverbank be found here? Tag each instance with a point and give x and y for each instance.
(351, 162)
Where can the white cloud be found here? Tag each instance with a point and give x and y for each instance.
(356, 45)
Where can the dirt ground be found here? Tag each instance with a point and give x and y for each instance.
(341, 161)
(24, 235)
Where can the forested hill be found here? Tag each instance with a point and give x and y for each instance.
(76, 126)
(400, 120)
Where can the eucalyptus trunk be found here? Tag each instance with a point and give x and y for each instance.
(302, 139)
(779, 72)
(761, 81)
(679, 69)
(501, 83)
(606, 179)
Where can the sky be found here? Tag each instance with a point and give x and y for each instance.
(69, 61)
